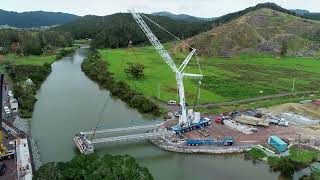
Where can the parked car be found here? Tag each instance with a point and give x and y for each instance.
(283, 122)
(171, 102)
(14, 105)
(279, 122)
(10, 94)
(7, 111)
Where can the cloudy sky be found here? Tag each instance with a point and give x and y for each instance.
(201, 8)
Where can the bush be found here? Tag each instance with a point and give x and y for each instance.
(65, 52)
(282, 164)
(94, 167)
(3, 50)
(255, 153)
(135, 70)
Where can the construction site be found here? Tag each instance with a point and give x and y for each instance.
(293, 123)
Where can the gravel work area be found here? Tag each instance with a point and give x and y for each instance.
(218, 131)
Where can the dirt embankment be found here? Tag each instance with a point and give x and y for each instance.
(308, 110)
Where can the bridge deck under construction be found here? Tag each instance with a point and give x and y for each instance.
(151, 131)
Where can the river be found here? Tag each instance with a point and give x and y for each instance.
(69, 102)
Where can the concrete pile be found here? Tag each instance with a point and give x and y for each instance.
(251, 121)
(239, 127)
(299, 120)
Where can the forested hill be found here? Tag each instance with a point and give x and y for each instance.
(264, 30)
(183, 17)
(117, 30)
(308, 14)
(34, 18)
(232, 16)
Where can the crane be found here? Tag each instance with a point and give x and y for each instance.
(184, 119)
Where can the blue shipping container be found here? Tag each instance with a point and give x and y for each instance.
(278, 143)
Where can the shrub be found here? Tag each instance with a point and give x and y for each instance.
(135, 70)
(255, 153)
(282, 164)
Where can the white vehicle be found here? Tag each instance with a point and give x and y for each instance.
(10, 94)
(171, 102)
(6, 110)
(14, 105)
(279, 122)
(283, 122)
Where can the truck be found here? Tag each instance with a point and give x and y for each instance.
(279, 122)
(14, 105)
(227, 141)
(199, 125)
(7, 111)
(8, 155)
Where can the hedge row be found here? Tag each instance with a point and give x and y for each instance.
(97, 70)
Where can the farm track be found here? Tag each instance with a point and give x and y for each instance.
(246, 101)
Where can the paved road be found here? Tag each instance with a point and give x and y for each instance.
(11, 165)
(6, 102)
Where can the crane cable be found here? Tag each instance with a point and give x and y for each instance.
(184, 42)
(105, 107)
(166, 30)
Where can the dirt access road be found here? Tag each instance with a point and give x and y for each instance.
(243, 101)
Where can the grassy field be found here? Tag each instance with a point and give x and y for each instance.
(225, 79)
(35, 60)
(32, 60)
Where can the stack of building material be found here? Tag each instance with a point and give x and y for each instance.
(239, 127)
(251, 121)
(297, 119)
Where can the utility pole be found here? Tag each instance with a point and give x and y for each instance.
(293, 85)
(299, 145)
(159, 91)
(2, 148)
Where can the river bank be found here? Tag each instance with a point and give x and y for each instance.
(27, 76)
(162, 144)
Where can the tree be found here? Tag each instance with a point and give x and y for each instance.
(94, 167)
(284, 48)
(31, 45)
(135, 70)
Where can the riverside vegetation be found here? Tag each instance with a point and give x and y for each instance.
(297, 160)
(25, 93)
(94, 167)
(97, 70)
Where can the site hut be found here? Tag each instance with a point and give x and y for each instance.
(277, 143)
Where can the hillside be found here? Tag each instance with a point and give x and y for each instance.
(34, 18)
(183, 17)
(116, 30)
(261, 31)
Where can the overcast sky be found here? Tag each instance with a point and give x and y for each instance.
(201, 8)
